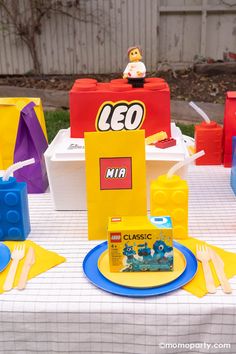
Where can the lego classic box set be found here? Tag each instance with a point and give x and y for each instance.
(140, 243)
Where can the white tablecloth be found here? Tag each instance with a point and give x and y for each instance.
(62, 312)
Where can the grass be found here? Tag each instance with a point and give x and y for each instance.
(56, 120)
(186, 129)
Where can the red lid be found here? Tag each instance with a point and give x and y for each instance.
(120, 87)
(85, 87)
(231, 94)
(119, 81)
(85, 81)
(212, 124)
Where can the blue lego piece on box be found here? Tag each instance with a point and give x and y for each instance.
(14, 210)
(233, 169)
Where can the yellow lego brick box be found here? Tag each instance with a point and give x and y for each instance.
(140, 243)
(115, 177)
(10, 109)
(169, 196)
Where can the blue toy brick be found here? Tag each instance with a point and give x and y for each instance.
(233, 169)
(14, 210)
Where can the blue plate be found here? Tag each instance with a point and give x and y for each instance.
(91, 271)
(5, 256)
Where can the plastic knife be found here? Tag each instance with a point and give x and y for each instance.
(219, 268)
(29, 261)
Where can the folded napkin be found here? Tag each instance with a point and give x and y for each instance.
(197, 285)
(44, 260)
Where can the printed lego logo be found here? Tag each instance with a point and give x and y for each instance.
(121, 115)
(116, 173)
(115, 237)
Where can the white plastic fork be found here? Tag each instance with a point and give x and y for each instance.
(204, 257)
(17, 254)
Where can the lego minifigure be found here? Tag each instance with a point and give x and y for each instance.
(135, 71)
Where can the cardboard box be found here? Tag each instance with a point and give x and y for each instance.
(116, 105)
(140, 243)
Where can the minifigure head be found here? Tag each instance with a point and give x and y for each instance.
(134, 54)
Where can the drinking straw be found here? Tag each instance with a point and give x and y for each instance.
(185, 162)
(200, 112)
(16, 166)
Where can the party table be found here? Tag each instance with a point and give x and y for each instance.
(62, 312)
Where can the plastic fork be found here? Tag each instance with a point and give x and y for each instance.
(204, 257)
(17, 254)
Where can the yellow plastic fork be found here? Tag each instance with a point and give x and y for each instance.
(204, 257)
(17, 254)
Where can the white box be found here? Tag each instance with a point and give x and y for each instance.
(65, 162)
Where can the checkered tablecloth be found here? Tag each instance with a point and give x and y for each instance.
(62, 312)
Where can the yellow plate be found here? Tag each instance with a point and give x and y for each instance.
(142, 279)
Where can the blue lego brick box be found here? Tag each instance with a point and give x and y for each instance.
(140, 243)
(14, 210)
(233, 169)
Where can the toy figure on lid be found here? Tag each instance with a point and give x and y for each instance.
(135, 71)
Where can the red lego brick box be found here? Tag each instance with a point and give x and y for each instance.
(229, 126)
(209, 137)
(116, 105)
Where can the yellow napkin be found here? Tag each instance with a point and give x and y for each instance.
(44, 260)
(197, 285)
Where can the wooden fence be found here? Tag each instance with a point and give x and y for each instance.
(94, 37)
